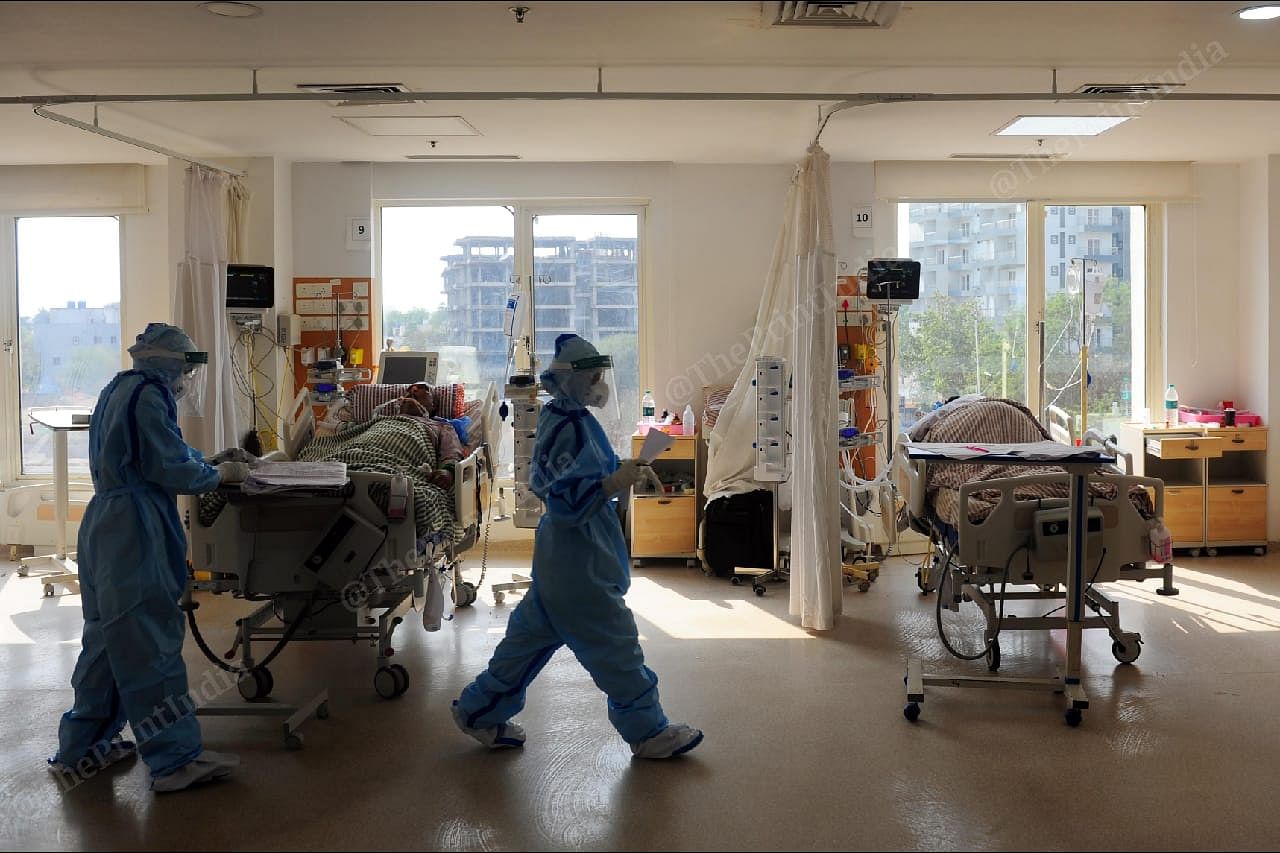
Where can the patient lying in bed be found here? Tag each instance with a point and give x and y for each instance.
(995, 421)
(419, 403)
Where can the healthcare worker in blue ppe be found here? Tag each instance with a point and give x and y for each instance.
(132, 564)
(580, 575)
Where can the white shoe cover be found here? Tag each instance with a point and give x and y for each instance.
(675, 739)
(205, 767)
(503, 736)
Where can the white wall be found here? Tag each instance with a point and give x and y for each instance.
(1203, 272)
(710, 236)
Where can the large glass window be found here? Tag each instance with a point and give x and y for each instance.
(967, 332)
(68, 324)
(598, 253)
(1097, 300)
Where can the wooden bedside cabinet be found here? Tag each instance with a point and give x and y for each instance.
(666, 525)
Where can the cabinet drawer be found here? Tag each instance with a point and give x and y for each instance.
(1237, 514)
(1184, 514)
(1184, 447)
(663, 525)
(1243, 439)
(684, 448)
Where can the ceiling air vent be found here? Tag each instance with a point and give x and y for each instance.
(827, 14)
(364, 93)
(1137, 91)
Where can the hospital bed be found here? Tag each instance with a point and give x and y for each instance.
(342, 563)
(996, 531)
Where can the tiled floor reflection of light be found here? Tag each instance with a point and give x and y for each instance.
(1219, 604)
(706, 619)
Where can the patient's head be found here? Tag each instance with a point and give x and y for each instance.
(420, 393)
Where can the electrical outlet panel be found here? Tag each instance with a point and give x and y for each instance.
(354, 306)
(316, 324)
(360, 290)
(315, 306)
(313, 291)
(357, 323)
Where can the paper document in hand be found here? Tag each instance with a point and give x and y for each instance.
(274, 476)
(655, 442)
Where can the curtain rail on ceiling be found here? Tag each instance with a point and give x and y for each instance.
(97, 129)
(856, 97)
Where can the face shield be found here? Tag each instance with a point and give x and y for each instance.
(187, 375)
(589, 382)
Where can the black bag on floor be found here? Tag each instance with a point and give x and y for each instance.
(739, 532)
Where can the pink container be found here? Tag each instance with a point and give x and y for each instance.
(1192, 415)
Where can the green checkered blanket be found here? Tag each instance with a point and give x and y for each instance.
(383, 446)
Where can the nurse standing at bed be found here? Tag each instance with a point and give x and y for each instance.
(132, 558)
(580, 575)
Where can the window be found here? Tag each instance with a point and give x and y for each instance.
(1117, 243)
(964, 229)
(1094, 247)
(1053, 239)
(1053, 271)
(1071, 211)
(1071, 239)
(1053, 211)
(447, 272)
(967, 332)
(1091, 216)
(63, 297)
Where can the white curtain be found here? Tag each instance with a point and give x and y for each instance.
(199, 306)
(796, 319)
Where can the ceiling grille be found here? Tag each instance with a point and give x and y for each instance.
(828, 14)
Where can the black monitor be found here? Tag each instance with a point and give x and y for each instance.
(893, 279)
(250, 286)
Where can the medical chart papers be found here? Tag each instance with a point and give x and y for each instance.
(655, 442)
(1038, 451)
(281, 476)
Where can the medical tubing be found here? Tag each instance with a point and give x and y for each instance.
(226, 667)
(942, 634)
(1088, 586)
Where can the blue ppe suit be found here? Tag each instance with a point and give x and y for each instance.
(580, 575)
(132, 560)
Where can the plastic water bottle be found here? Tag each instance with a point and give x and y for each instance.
(1171, 406)
(648, 406)
(688, 426)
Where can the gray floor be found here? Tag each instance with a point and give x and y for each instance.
(806, 744)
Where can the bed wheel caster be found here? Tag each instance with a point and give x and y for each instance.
(735, 580)
(499, 597)
(391, 682)
(256, 684)
(1194, 552)
(293, 741)
(759, 591)
(322, 711)
(1074, 716)
(48, 590)
(466, 594)
(1127, 648)
(1212, 552)
(993, 656)
(912, 711)
(1259, 552)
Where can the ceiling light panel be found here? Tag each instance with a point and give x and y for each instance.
(1259, 13)
(429, 126)
(1060, 125)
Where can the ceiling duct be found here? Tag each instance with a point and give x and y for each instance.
(1139, 91)
(366, 91)
(830, 14)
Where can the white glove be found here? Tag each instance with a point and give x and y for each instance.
(630, 473)
(232, 472)
(233, 454)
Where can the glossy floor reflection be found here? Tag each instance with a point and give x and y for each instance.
(806, 744)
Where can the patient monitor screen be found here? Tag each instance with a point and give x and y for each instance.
(402, 368)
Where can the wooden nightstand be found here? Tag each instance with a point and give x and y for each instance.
(667, 525)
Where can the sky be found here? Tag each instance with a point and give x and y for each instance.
(67, 258)
(414, 239)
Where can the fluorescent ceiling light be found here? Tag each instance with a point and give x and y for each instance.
(1259, 13)
(1060, 125)
(429, 126)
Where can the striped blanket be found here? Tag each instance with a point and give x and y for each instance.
(996, 422)
(383, 446)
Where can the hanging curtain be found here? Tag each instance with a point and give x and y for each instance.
(237, 220)
(816, 582)
(796, 319)
(199, 307)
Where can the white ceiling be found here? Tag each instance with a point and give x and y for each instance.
(100, 48)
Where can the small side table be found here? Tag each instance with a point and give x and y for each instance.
(60, 566)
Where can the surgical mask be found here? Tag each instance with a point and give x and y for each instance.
(597, 395)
